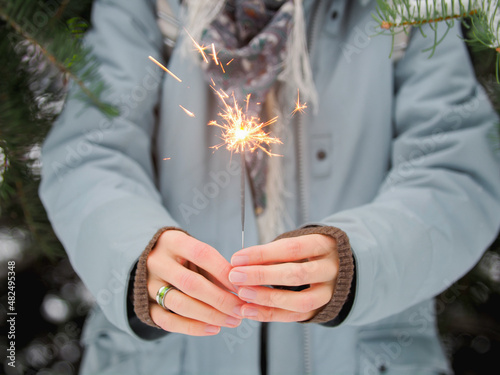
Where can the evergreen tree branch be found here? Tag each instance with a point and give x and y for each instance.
(387, 25)
(395, 14)
(62, 67)
(40, 48)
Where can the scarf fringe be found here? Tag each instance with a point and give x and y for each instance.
(275, 219)
(297, 67)
(199, 16)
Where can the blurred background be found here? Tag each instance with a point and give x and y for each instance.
(40, 51)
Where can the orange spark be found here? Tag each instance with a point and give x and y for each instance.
(298, 106)
(165, 69)
(216, 59)
(241, 132)
(247, 100)
(214, 55)
(229, 62)
(167, 158)
(222, 94)
(189, 113)
(201, 49)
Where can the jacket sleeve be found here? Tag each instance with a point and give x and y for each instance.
(97, 178)
(439, 207)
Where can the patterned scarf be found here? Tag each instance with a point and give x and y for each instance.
(251, 39)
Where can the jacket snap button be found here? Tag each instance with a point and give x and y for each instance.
(334, 14)
(321, 155)
(382, 368)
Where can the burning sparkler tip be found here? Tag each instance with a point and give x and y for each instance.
(242, 132)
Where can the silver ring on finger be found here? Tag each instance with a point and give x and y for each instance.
(162, 293)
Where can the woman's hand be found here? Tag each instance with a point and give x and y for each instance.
(305, 260)
(203, 301)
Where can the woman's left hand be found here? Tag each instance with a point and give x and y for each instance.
(304, 260)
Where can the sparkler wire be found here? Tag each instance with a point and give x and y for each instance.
(243, 174)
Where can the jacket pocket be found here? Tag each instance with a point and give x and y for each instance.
(399, 351)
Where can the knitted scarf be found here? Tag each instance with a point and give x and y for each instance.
(251, 36)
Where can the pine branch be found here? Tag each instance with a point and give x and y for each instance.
(52, 59)
(73, 61)
(387, 25)
(35, 63)
(395, 14)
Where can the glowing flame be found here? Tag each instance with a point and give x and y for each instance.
(241, 132)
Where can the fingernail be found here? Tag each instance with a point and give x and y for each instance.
(237, 310)
(212, 329)
(250, 312)
(230, 321)
(240, 260)
(237, 277)
(247, 294)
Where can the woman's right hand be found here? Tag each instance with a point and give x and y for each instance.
(202, 301)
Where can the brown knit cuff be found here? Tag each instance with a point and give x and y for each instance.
(141, 295)
(346, 270)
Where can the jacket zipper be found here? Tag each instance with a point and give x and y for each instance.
(303, 207)
(263, 348)
(301, 136)
(303, 188)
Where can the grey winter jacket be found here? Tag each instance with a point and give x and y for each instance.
(399, 156)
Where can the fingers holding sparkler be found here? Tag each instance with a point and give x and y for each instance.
(309, 261)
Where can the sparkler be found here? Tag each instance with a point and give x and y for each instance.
(241, 132)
